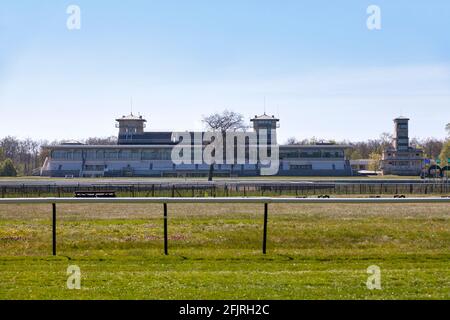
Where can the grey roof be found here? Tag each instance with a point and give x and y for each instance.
(144, 146)
(315, 146)
(131, 117)
(264, 117)
(72, 142)
(147, 138)
(111, 146)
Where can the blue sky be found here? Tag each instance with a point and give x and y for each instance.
(314, 62)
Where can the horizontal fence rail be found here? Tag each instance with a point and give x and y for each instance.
(221, 200)
(255, 200)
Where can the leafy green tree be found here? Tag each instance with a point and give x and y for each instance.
(445, 153)
(375, 161)
(7, 169)
(353, 154)
(2, 155)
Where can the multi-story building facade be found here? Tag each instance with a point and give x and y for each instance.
(401, 158)
(140, 153)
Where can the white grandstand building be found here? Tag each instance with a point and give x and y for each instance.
(145, 154)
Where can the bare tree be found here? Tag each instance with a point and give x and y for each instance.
(307, 141)
(10, 146)
(292, 141)
(223, 122)
(432, 147)
(101, 141)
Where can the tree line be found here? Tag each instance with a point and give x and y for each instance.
(23, 156)
(363, 149)
(373, 148)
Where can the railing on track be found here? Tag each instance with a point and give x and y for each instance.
(253, 200)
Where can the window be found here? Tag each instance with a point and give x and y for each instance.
(94, 168)
(304, 155)
(111, 155)
(165, 154)
(124, 154)
(90, 155)
(300, 166)
(100, 155)
(290, 154)
(62, 155)
(150, 155)
(310, 154)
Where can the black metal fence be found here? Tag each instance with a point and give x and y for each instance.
(227, 189)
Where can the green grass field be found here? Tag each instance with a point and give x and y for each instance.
(314, 252)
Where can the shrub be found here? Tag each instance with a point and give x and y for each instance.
(7, 169)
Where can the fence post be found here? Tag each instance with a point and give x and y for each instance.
(54, 229)
(166, 250)
(266, 211)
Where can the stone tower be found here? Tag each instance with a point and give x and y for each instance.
(401, 134)
(130, 125)
(267, 123)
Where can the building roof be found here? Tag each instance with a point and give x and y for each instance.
(111, 146)
(72, 143)
(315, 146)
(148, 138)
(401, 118)
(131, 116)
(264, 117)
(144, 146)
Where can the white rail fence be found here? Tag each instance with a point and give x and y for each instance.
(252, 200)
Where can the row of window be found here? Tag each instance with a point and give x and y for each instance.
(165, 154)
(294, 154)
(157, 154)
(404, 163)
(300, 166)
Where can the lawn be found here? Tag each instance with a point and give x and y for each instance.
(314, 252)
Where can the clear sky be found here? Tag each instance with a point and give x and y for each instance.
(317, 65)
